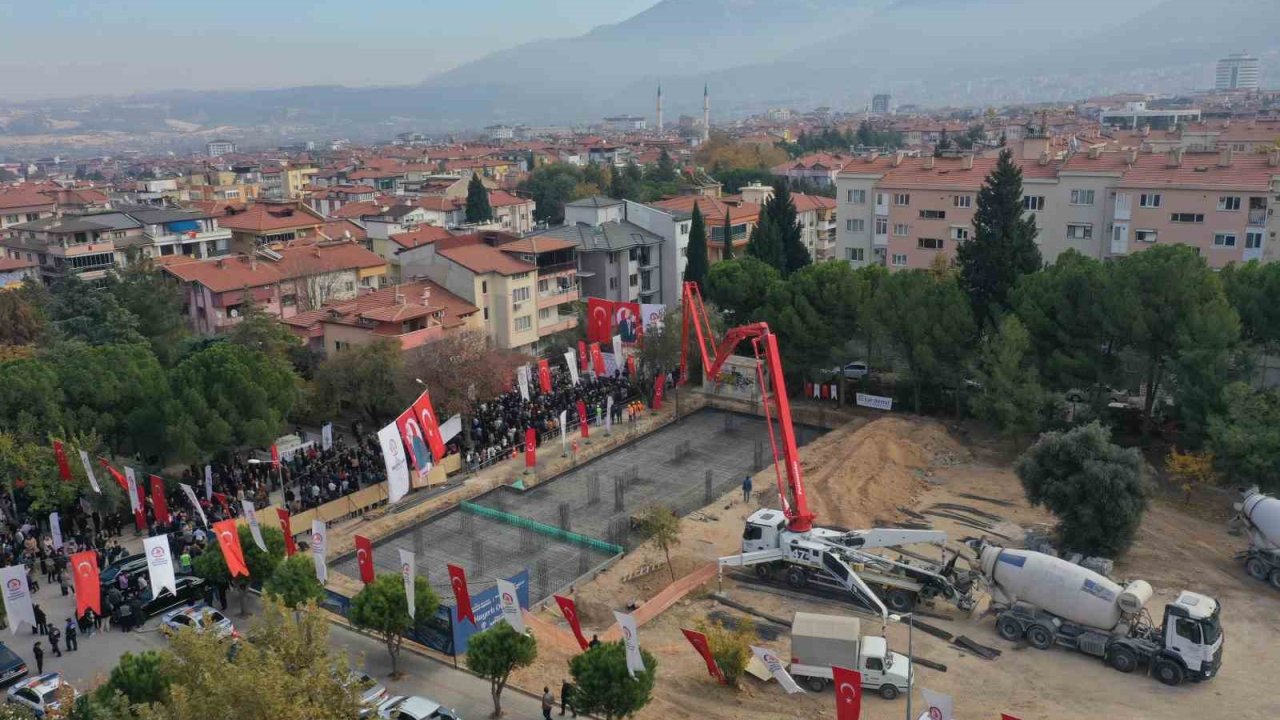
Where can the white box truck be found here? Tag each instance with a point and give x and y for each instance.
(819, 642)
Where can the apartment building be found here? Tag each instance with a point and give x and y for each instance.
(71, 244)
(617, 260)
(271, 222)
(327, 201)
(818, 168)
(14, 272)
(743, 216)
(22, 205)
(815, 214)
(673, 227)
(172, 231)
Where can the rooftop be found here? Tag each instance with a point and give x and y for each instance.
(234, 272)
(609, 236)
(480, 258)
(267, 217)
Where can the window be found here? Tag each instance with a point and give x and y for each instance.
(484, 287)
(858, 197)
(544, 314)
(1229, 202)
(929, 243)
(854, 254)
(1224, 240)
(1146, 236)
(85, 262)
(1079, 231)
(855, 225)
(1186, 217)
(1033, 202)
(899, 260)
(524, 322)
(32, 217)
(613, 283)
(81, 237)
(632, 254)
(880, 198)
(1188, 629)
(933, 214)
(1149, 200)
(902, 199)
(11, 218)
(486, 313)
(288, 300)
(684, 228)
(874, 665)
(901, 229)
(351, 287)
(1081, 197)
(962, 201)
(882, 226)
(1252, 240)
(520, 294)
(959, 233)
(117, 234)
(634, 280)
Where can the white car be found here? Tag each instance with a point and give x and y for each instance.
(855, 370)
(42, 693)
(415, 707)
(200, 618)
(372, 692)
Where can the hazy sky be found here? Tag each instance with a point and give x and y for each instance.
(59, 48)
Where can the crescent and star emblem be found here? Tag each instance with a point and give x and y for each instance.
(225, 535)
(84, 567)
(457, 585)
(849, 696)
(361, 556)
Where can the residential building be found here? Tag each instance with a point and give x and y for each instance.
(625, 123)
(391, 247)
(817, 168)
(743, 216)
(72, 244)
(172, 231)
(880, 103)
(267, 223)
(15, 271)
(1238, 72)
(815, 214)
(617, 260)
(1134, 115)
(672, 226)
(218, 148)
(327, 201)
(512, 213)
(23, 205)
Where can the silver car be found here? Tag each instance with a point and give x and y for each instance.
(200, 618)
(415, 707)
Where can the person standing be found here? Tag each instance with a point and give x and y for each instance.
(55, 635)
(548, 703)
(38, 651)
(566, 698)
(746, 489)
(72, 645)
(42, 622)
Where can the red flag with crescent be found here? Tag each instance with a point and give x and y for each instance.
(582, 357)
(64, 469)
(461, 596)
(229, 540)
(530, 447)
(599, 320)
(1007, 716)
(430, 424)
(848, 684)
(290, 547)
(631, 365)
(364, 558)
(582, 420)
(699, 643)
(116, 474)
(84, 566)
(223, 500)
(570, 611)
(597, 359)
(657, 391)
(275, 457)
(544, 376)
(159, 504)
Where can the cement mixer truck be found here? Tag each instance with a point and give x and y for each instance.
(1049, 601)
(1260, 515)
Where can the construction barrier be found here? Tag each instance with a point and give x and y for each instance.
(543, 528)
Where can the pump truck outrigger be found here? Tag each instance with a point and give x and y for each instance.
(785, 543)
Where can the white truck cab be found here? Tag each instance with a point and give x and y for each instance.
(1193, 632)
(819, 642)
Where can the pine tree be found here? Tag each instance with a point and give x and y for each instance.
(728, 237)
(791, 251)
(763, 244)
(666, 171)
(1003, 247)
(478, 208)
(695, 269)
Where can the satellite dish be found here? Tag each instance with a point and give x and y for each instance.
(233, 312)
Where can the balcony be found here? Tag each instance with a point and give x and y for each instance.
(556, 323)
(552, 298)
(1257, 217)
(880, 240)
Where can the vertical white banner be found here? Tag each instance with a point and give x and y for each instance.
(326, 436)
(319, 541)
(937, 705)
(396, 462)
(251, 517)
(88, 470)
(55, 528)
(571, 358)
(159, 564)
(564, 416)
(17, 597)
(190, 492)
(510, 605)
(522, 379)
(608, 414)
(132, 482)
(617, 352)
(407, 572)
(208, 483)
(779, 672)
(631, 639)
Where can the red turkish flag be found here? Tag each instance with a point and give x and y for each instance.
(119, 476)
(530, 447)
(60, 453)
(364, 558)
(1007, 716)
(430, 425)
(461, 596)
(848, 684)
(582, 357)
(570, 611)
(631, 365)
(699, 643)
(583, 422)
(597, 359)
(290, 547)
(223, 501)
(140, 515)
(599, 320)
(657, 391)
(229, 540)
(544, 376)
(84, 566)
(159, 504)
(275, 457)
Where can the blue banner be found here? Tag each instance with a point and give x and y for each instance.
(446, 633)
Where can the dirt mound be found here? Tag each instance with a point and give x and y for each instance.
(855, 476)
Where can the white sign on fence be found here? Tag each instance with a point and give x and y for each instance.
(879, 402)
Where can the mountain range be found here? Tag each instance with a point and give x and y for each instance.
(755, 54)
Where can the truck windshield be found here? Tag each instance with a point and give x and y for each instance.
(888, 658)
(1212, 627)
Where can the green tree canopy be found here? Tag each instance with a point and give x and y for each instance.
(117, 391)
(364, 379)
(740, 287)
(1245, 437)
(30, 397)
(141, 678)
(604, 687)
(726, 237)
(662, 526)
(695, 269)
(925, 318)
(156, 302)
(294, 582)
(778, 238)
(551, 186)
(212, 566)
(21, 321)
(382, 608)
(478, 208)
(495, 653)
(1009, 396)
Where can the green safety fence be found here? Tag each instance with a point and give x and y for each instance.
(545, 529)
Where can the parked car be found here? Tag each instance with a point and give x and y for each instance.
(198, 617)
(415, 707)
(855, 370)
(128, 565)
(190, 590)
(12, 667)
(372, 692)
(42, 694)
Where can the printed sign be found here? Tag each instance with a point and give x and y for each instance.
(878, 402)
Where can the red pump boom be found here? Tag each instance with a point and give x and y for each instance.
(773, 391)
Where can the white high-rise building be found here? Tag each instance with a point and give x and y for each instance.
(1238, 72)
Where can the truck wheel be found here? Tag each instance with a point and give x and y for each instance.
(796, 578)
(1275, 579)
(816, 684)
(1123, 660)
(900, 601)
(1256, 568)
(1039, 637)
(889, 692)
(1009, 629)
(764, 571)
(1168, 672)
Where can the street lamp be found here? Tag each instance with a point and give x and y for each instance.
(911, 674)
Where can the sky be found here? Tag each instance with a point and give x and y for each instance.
(67, 48)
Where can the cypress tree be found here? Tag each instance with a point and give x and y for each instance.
(728, 237)
(791, 252)
(478, 208)
(695, 269)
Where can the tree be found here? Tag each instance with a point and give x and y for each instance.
(695, 269)
(1250, 288)
(1244, 437)
(30, 397)
(815, 314)
(665, 171)
(141, 678)
(117, 391)
(495, 653)
(551, 186)
(478, 208)
(21, 322)
(727, 236)
(381, 608)
(294, 582)
(730, 647)
(459, 368)
(1190, 469)
(156, 302)
(1009, 395)
(925, 318)
(789, 236)
(662, 526)
(1094, 487)
(365, 379)
(605, 687)
(721, 152)
(31, 466)
(263, 333)
(212, 566)
(740, 287)
(93, 313)
(1003, 247)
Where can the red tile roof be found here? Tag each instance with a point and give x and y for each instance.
(422, 235)
(303, 260)
(264, 217)
(21, 197)
(808, 203)
(712, 208)
(344, 229)
(392, 304)
(481, 258)
(358, 209)
(502, 198)
(539, 244)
